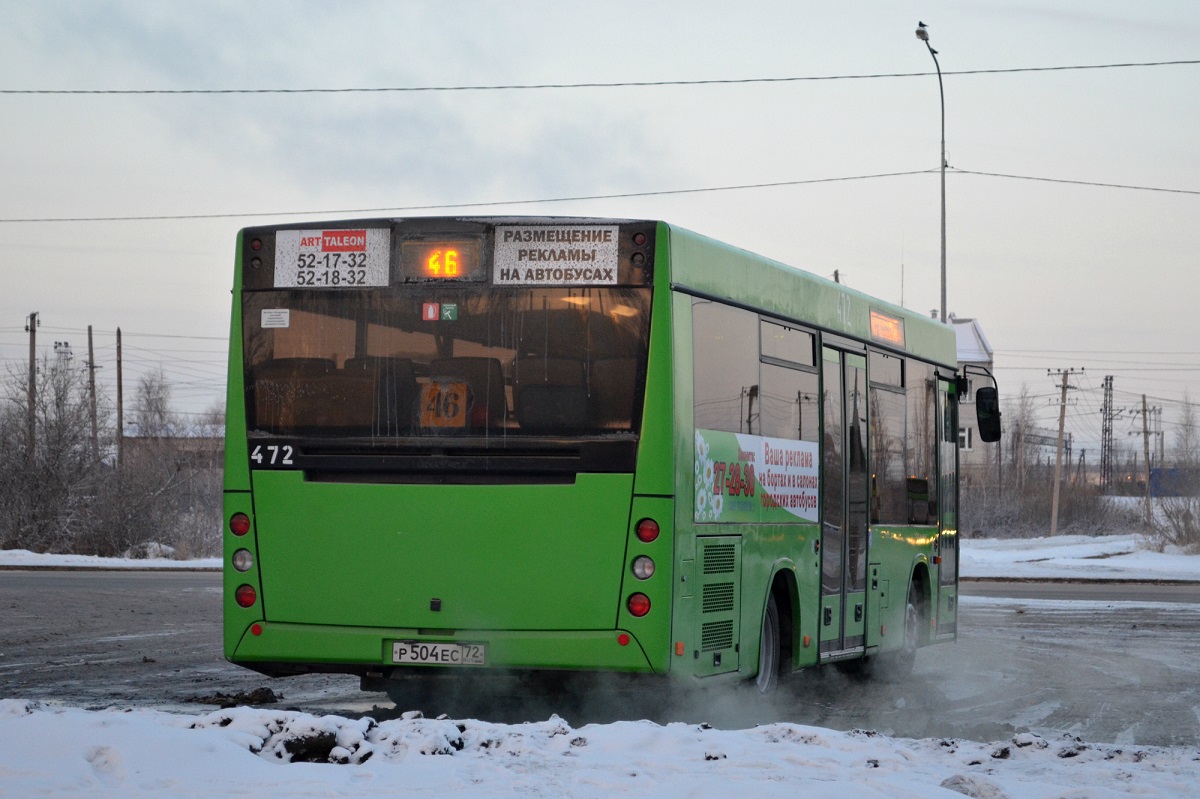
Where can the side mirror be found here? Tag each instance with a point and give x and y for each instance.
(987, 412)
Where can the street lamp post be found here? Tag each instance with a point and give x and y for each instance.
(923, 35)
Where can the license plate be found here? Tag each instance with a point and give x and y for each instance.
(434, 654)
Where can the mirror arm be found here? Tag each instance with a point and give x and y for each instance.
(972, 369)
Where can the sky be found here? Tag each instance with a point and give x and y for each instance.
(53, 750)
(1061, 275)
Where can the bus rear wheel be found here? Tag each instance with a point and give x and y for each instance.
(767, 679)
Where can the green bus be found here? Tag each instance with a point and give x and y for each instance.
(467, 446)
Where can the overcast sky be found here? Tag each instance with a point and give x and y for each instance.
(1060, 275)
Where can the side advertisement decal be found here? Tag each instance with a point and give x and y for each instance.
(745, 478)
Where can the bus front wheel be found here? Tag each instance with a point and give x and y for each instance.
(769, 649)
(902, 661)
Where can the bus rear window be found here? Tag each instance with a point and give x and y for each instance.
(438, 361)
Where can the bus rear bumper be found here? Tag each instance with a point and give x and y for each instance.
(278, 649)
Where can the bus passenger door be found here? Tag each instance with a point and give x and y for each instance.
(948, 518)
(844, 504)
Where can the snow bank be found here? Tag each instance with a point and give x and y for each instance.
(139, 753)
(24, 559)
(1116, 557)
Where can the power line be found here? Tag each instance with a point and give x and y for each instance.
(445, 206)
(576, 198)
(1073, 182)
(1099, 352)
(590, 85)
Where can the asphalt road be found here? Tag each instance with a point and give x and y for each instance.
(1105, 662)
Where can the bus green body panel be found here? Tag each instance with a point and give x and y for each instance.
(533, 557)
(370, 647)
(334, 597)
(237, 464)
(656, 453)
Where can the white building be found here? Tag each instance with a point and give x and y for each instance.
(973, 350)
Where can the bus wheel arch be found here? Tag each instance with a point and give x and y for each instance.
(776, 650)
(916, 623)
(919, 595)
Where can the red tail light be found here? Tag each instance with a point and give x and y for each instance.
(638, 604)
(246, 596)
(239, 524)
(647, 530)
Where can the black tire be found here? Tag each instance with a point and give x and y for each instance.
(769, 648)
(901, 663)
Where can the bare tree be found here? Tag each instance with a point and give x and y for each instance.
(152, 405)
(62, 498)
(214, 415)
(47, 496)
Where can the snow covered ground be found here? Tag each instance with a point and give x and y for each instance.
(1074, 557)
(56, 751)
(140, 753)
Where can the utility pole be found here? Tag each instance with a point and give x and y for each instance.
(1062, 421)
(1106, 437)
(1158, 436)
(120, 408)
(1146, 443)
(31, 416)
(91, 365)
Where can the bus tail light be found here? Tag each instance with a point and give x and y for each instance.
(643, 567)
(239, 524)
(647, 531)
(246, 596)
(243, 560)
(638, 604)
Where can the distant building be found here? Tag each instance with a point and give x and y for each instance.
(196, 445)
(973, 350)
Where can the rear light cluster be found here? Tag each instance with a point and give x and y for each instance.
(647, 532)
(242, 560)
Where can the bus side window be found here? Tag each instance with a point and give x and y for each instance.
(725, 377)
(921, 439)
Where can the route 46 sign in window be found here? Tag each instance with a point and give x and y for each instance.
(332, 258)
(444, 403)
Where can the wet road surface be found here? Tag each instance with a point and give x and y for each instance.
(1107, 664)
